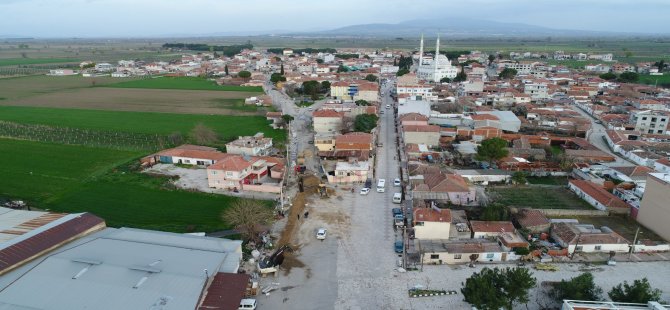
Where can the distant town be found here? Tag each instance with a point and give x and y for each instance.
(348, 178)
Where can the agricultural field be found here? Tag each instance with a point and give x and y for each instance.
(29, 86)
(660, 80)
(538, 197)
(40, 171)
(228, 127)
(35, 61)
(188, 83)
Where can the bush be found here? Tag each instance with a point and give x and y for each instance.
(244, 74)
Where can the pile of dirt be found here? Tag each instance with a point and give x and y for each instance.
(293, 221)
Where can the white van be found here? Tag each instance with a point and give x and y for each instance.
(397, 198)
(247, 304)
(381, 186)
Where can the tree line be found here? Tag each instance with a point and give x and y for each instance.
(279, 50)
(228, 50)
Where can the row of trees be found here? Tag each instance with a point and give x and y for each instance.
(494, 289)
(228, 50)
(626, 77)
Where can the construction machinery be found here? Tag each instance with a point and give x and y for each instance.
(270, 264)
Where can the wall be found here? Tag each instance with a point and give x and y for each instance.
(264, 188)
(449, 258)
(327, 124)
(432, 230)
(568, 212)
(429, 138)
(654, 210)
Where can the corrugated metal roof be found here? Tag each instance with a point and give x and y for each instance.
(123, 269)
(225, 291)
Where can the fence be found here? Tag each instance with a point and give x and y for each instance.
(78, 136)
(568, 212)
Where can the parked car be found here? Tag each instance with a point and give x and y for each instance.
(388, 106)
(396, 182)
(365, 191)
(399, 246)
(321, 234)
(396, 211)
(247, 304)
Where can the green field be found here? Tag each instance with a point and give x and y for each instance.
(35, 61)
(192, 83)
(539, 198)
(228, 127)
(40, 171)
(660, 80)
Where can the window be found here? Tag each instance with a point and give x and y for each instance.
(598, 247)
(644, 118)
(660, 131)
(229, 173)
(578, 249)
(418, 224)
(457, 256)
(213, 172)
(653, 119)
(489, 255)
(434, 256)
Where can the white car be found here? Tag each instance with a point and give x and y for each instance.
(247, 304)
(388, 106)
(365, 191)
(321, 234)
(396, 182)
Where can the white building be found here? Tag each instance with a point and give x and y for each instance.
(104, 67)
(655, 122)
(437, 68)
(256, 145)
(432, 223)
(537, 91)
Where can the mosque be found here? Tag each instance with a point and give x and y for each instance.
(432, 70)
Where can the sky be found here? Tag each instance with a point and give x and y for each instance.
(146, 18)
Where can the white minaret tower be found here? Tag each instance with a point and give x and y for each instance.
(421, 52)
(437, 54)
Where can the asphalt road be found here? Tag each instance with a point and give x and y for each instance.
(596, 136)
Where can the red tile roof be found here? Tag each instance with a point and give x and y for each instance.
(432, 215)
(326, 113)
(531, 218)
(492, 226)
(225, 292)
(599, 194)
(421, 128)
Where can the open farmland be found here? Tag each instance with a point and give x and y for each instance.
(28, 86)
(191, 83)
(40, 171)
(35, 61)
(539, 197)
(228, 127)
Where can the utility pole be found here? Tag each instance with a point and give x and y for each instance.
(632, 248)
(576, 245)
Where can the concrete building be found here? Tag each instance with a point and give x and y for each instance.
(609, 305)
(421, 134)
(327, 121)
(490, 229)
(432, 223)
(129, 269)
(439, 252)
(654, 210)
(409, 85)
(256, 145)
(588, 239)
(655, 122)
(345, 172)
(436, 68)
(355, 90)
(598, 197)
(537, 91)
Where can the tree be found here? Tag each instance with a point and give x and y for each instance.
(629, 54)
(312, 88)
(281, 69)
(319, 60)
(495, 212)
(362, 102)
(639, 292)
(519, 177)
(629, 77)
(249, 217)
(244, 74)
(202, 134)
(492, 149)
(491, 58)
(365, 122)
(608, 76)
(580, 287)
(445, 80)
(342, 68)
(225, 69)
(461, 76)
(325, 86)
(276, 78)
(371, 78)
(493, 289)
(287, 118)
(507, 73)
(402, 72)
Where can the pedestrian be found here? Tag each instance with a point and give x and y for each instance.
(306, 214)
(298, 216)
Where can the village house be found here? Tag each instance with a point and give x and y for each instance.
(432, 223)
(347, 172)
(359, 141)
(236, 172)
(598, 197)
(442, 186)
(490, 229)
(439, 252)
(533, 220)
(421, 134)
(585, 238)
(256, 145)
(186, 154)
(327, 121)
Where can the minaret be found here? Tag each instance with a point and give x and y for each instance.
(437, 53)
(421, 52)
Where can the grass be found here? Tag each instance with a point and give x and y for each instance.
(40, 171)
(81, 179)
(237, 105)
(540, 198)
(35, 61)
(26, 86)
(548, 180)
(228, 127)
(661, 80)
(192, 83)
